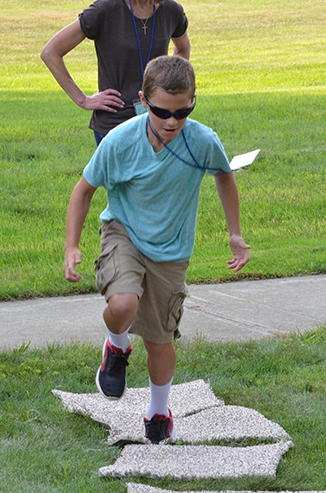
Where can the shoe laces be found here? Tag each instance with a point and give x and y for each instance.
(155, 429)
(117, 363)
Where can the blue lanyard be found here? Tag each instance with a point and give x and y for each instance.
(197, 165)
(150, 48)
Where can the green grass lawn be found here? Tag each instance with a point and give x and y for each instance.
(260, 69)
(261, 84)
(44, 448)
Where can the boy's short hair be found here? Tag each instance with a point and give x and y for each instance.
(172, 74)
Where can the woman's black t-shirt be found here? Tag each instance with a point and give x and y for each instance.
(110, 24)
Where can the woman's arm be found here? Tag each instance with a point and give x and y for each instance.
(182, 46)
(52, 55)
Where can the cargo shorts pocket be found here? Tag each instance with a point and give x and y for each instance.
(106, 267)
(175, 310)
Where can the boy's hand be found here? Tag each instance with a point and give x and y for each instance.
(240, 252)
(73, 256)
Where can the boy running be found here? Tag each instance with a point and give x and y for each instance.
(151, 167)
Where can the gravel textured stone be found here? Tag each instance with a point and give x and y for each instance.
(187, 462)
(125, 417)
(198, 415)
(143, 488)
(229, 423)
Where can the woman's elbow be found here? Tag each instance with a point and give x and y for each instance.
(45, 54)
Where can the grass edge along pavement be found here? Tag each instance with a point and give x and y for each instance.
(272, 98)
(44, 448)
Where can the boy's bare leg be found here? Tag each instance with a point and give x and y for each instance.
(161, 359)
(120, 312)
(118, 317)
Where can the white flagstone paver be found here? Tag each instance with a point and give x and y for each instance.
(125, 416)
(216, 421)
(198, 416)
(228, 423)
(185, 397)
(187, 462)
(143, 488)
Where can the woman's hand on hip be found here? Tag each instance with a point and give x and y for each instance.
(107, 100)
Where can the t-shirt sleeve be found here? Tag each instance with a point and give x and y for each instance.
(217, 159)
(182, 24)
(91, 19)
(100, 171)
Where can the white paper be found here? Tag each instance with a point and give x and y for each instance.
(243, 160)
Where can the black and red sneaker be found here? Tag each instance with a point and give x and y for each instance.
(111, 376)
(159, 428)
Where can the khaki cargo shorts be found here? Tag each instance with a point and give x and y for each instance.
(160, 286)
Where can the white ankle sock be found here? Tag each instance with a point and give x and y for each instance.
(159, 399)
(121, 341)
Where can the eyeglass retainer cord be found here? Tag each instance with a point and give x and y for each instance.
(197, 165)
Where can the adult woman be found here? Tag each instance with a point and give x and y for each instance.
(127, 34)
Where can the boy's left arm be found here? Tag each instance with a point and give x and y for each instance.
(228, 192)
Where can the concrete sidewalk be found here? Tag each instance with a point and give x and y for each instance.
(222, 312)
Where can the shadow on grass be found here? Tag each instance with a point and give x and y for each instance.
(44, 152)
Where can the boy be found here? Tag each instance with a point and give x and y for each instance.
(152, 167)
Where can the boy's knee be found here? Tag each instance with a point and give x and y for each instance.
(123, 305)
(157, 348)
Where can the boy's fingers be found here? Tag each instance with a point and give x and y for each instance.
(71, 273)
(72, 276)
(77, 258)
(69, 267)
(238, 263)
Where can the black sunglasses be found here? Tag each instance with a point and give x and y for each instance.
(165, 114)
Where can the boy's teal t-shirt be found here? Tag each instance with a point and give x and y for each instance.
(155, 195)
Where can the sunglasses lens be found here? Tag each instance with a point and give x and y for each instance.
(165, 114)
(179, 115)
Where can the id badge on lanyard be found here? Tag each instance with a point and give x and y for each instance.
(139, 108)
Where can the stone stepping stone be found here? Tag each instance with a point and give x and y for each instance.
(199, 416)
(187, 462)
(125, 416)
(143, 488)
(229, 423)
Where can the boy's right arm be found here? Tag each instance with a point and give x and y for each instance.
(80, 201)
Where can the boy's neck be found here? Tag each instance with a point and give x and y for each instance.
(153, 140)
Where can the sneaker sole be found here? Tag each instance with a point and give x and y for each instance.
(173, 434)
